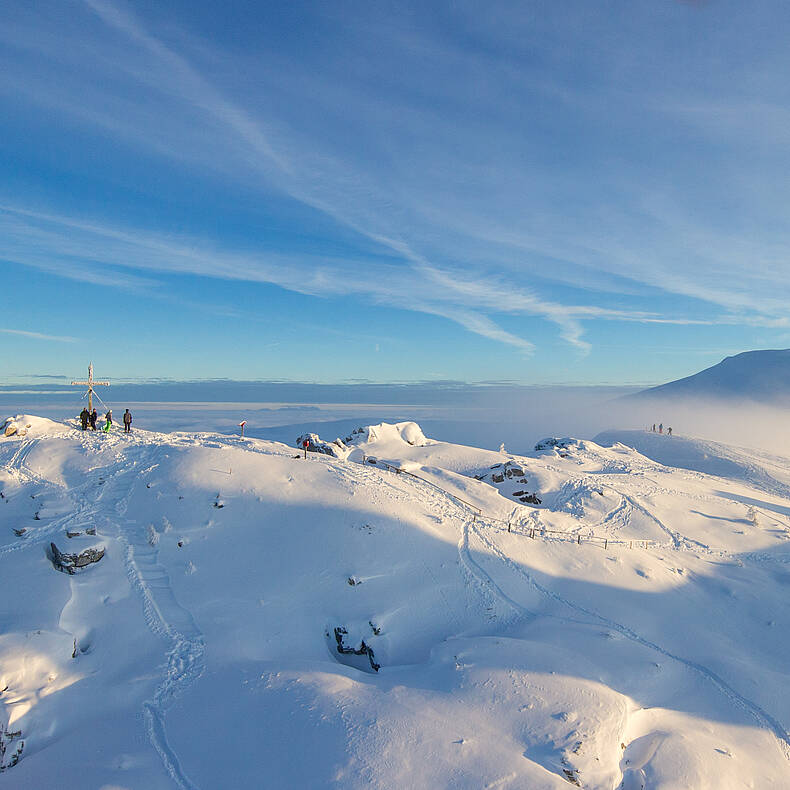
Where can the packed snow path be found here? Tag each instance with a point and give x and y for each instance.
(101, 502)
(199, 651)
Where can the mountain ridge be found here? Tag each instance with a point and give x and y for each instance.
(762, 376)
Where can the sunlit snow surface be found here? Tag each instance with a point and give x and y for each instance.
(204, 641)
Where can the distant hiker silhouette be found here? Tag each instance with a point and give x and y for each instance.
(127, 421)
(669, 431)
(84, 419)
(661, 427)
(108, 424)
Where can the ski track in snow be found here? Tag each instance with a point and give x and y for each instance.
(163, 614)
(185, 660)
(484, 579)
(761, 716)
(164, 617)
(83, 515)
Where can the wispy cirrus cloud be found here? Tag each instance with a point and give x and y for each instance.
(39, 336)
(460, 214)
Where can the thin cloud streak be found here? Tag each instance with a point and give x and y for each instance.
(441, 270)
(40, 336)
(564, 316)
(422, 289)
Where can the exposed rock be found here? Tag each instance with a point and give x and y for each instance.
(510, 470)
(553, 443)
(356, 435)
(10, 754)
(68, 563)
(315, 444)
(12, 427)
(362, 650)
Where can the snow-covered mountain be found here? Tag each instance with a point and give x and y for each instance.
(394, 612)
(761, 376)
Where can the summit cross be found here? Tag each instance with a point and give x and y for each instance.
(90, 383)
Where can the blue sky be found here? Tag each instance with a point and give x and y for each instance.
(538, 192)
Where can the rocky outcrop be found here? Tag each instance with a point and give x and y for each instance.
(500, 474)
(553, 443)
(315, 444)
(363, 649)
(69, 563)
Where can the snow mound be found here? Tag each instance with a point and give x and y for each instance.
(698, 455)
(558, 445)
(387, 437)
(26, 424)
(384, 433)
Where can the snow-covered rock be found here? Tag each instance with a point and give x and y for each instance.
(512, 480)
(24, 424)
(553, 443)
(386, 433)
(316, 445)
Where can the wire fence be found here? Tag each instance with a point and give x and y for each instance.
(533, 532)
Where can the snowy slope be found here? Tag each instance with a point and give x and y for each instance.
(760, 376)
(202, 650)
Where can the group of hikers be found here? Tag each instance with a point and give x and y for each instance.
(90, 418)
(661, 429)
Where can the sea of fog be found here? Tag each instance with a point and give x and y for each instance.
(484, 416)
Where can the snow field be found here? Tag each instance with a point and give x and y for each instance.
(204, 643)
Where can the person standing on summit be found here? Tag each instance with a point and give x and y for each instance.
(94, 416)
(127, 421)
(108, 424)
(84, 419)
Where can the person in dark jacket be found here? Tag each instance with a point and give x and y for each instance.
(94, 416)
(84, 419)
(108, 424)
(127, 421)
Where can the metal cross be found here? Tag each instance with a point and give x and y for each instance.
(90, 383)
